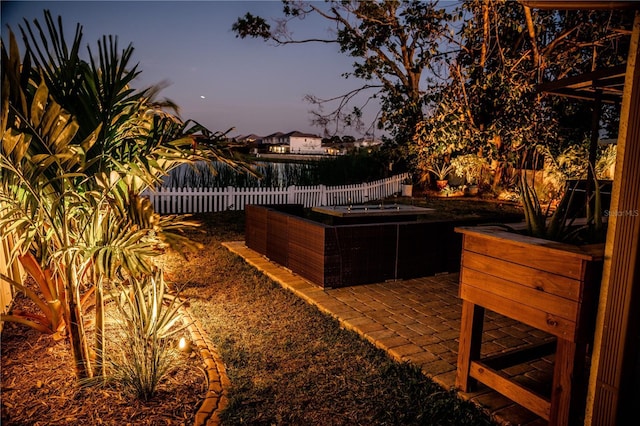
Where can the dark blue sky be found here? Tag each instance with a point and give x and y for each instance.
(246, 84)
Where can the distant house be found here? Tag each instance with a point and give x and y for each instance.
(274, 139)
(279, 149)
(367, 142)
(294, 142)
(249, 139)
(337, 148)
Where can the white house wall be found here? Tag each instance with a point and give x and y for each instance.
(305, 145)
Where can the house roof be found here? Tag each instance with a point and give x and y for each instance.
(574, 4)
(302, 135)
(274, 135)
(248, 139)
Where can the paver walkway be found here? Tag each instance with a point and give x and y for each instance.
(418, 321)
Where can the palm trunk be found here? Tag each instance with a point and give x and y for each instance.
(99, 369)
(77, 337)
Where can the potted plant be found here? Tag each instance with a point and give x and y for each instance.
(469, 167)
(441, 171)
(546, 274)
(407, 187)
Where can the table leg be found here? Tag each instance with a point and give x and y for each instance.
(470, 342)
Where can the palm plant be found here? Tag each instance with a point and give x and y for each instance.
(40, 166)
(78, 147)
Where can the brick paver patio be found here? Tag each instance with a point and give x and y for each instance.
(418, 321)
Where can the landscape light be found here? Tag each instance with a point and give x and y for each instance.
(184, 345)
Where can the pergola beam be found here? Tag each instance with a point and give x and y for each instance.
(575, 5)
(608, 82)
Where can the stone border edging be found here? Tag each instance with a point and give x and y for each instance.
(216, 399)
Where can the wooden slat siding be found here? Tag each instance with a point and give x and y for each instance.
(514, 292)
(278, 237)
(537, 318)
(567, 264)
(613, 391)
(256, 228)
(371, 256)
(380, 252)
(306, 249)
(530, 277)
(420, 250)
(333, 260)
(368, 253)
(517, 393)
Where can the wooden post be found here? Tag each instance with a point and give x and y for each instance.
(470, 342)
(613, 343)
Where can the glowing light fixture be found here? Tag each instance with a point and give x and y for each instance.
(184, 345)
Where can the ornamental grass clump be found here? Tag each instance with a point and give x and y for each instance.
(148, 318)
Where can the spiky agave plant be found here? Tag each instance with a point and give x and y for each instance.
(561, 224)
(148, 317)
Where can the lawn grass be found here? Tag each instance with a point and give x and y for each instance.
(288, 362)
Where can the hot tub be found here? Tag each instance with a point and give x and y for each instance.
(342, 255)
(371, 213)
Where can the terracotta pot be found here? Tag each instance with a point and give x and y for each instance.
(441, 184)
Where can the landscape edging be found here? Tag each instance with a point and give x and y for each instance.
(216, 399)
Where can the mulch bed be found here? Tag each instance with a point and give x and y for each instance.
(39, 387)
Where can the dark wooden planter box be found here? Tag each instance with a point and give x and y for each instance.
(551, 286)
(351, 254)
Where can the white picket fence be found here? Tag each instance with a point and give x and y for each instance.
(208, 200)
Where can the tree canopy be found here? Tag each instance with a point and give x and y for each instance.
(463, 78)
(491, 105)
(397, 48)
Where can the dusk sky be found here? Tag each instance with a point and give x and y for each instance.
(217, 79)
